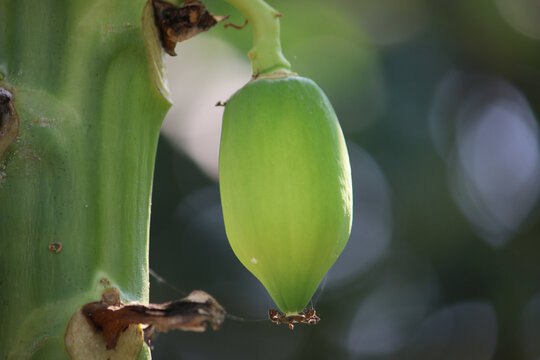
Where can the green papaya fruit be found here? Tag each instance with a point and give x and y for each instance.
(285, 183)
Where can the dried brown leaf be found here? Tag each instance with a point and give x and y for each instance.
(179, 23)
(192, 313)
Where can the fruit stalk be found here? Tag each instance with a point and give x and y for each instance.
(266, 55)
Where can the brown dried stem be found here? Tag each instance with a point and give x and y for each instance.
(191, 313)
(179, 23)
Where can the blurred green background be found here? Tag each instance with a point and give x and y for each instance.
(438, 100)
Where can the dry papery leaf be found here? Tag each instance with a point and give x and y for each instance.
(179, 23)
(192, 313)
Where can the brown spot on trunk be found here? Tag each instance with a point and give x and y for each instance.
(179, 23)
(191, 313)
(43, 121)
(237, 27)
(9, 121)
(55, 246)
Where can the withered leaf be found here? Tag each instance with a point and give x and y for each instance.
(179, 23)
(192, 313)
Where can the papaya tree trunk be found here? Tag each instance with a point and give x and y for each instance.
(82, 79)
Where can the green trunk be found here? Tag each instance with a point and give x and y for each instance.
(80, 171)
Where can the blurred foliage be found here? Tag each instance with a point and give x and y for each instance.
(439, 103)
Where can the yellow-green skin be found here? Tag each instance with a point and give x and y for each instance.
(285, 184)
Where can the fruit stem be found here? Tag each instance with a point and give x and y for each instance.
(266, 56)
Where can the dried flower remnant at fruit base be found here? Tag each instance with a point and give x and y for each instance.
(308, 316)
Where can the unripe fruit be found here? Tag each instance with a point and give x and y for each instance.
(285, 184)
